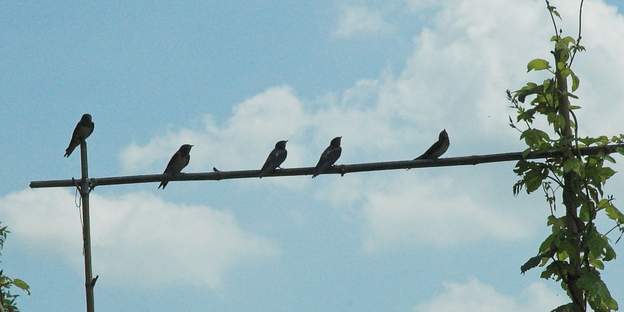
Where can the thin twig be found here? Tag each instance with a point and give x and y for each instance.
(613, 228)
(552, 17)
(578, 39)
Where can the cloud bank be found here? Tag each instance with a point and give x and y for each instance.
(137, 236)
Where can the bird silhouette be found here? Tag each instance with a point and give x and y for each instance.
(329, 157)
(438, 148)
(275, 158)
(82, 131)
(178, 161)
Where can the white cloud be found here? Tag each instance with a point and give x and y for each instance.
(420, 210)
(136, 237)
(360, 21)
(474, 295)
(455, 79)
(246, 138)
(418, 5)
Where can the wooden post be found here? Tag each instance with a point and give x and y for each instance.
(571, 182)
(85, 189)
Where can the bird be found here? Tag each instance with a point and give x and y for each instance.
(178, 161)
(329, 157)
(438, 148)
(82, 131)
(275, 158)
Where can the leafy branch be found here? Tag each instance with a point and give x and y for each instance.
(576, 251)
(8, 299)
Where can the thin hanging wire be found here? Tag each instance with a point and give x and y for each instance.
(78, 204)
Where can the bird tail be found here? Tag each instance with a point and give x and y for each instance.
(263, 172)
(315, 173)
(163, 184)
(69, 149)
(423, 156)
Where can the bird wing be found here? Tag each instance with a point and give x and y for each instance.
(75, 135)
(427, 154)
(171, 166)
(187, 159)
(269, 163)
(442, 149)
(324, 157)
(328, 158)
(91, 127)
(74, 141)
(280, 157)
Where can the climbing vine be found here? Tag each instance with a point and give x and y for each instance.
(576, 250)
(8, 299)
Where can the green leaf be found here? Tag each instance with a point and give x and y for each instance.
(584, 213)
(538, 64)
(606, 173)
(588, 280)
(570, 307)
(533, 137)
(609, 159)
(568, 40)
(531, 263)
(597, 292)
(597, 264)
(567, 246)
(547, 243)
(604, 203)
(533, 180)
(615, 214)
(565, 72)
(620, 150)
(575, 81)
(22, 285)
(609, 253)
(603, 140)
(572, 164)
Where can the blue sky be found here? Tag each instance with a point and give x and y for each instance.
(233, 78)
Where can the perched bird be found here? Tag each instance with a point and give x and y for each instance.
(438, 148)
(275, 158)
(83, 130)
(178, 161)
(329, 157)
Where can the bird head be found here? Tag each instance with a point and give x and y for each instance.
(86, 118)
(185, 149)
(335, 142)
(443, 135)
(281, 144)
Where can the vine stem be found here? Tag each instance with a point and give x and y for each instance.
(578, 39)
(552, 17)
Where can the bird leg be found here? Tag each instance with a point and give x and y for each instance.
(218, 172)
(342, 169)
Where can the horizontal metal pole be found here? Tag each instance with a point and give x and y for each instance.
(338, 169)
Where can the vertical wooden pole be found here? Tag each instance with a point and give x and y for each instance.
(86, 227)
(570, 200)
